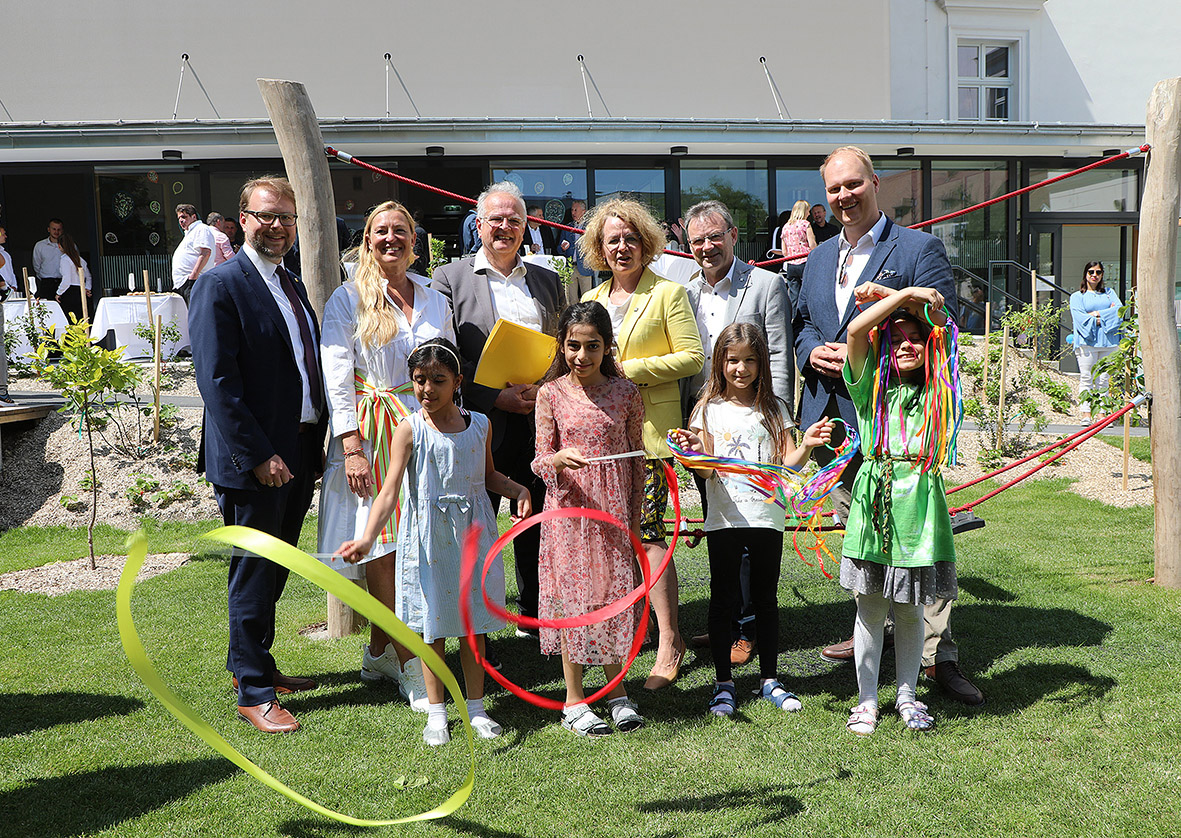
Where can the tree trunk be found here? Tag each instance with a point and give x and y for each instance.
(1158, 330)
(93, 489)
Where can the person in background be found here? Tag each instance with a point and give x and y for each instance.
(422, 248)
(233, 232)
(194, 255)
(222, 249)
(539, 238)
(1094, 308)
(69, 292)
(797, 240)
(822, 228)
(7, 285)
(47, 258)
(584, 275)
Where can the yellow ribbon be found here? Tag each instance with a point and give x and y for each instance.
(318, 574)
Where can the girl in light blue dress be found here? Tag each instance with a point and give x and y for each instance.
(441, 458)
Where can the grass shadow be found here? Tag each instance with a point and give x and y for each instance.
(92, 801)
(776, 806)
(26, 712)
(1019, 688)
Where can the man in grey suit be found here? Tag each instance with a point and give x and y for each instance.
(490, 284)
(871, 247)
(726, 290)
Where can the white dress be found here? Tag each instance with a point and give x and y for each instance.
(443, 494)
(343, 515)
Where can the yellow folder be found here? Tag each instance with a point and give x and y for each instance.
(514, 354)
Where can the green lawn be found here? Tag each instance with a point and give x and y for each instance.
(1139, 447)
(1080, 735)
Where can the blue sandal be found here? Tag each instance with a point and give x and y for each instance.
(725, 700)
(781, 698)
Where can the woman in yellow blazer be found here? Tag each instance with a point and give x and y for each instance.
(657, 344)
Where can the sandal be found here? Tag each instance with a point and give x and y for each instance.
(781, 698)
(915, 716)
(625, 714)
(863, 719)
(725, 700)
(581, 721)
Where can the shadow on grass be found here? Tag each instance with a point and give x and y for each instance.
(772, 805)
(983, 590)
(92, 801)
(307, 828)
(26, 712)
(1024, 685)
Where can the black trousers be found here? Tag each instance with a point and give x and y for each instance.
(763, 549)
(71, 302)
(742, 623)
(255, 584)
(513, 458)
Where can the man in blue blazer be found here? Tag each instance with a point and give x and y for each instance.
(870, 248)
(256, 355)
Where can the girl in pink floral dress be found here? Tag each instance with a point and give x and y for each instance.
(587, 411)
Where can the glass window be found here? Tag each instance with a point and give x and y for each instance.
(1099, 190)
(552, 185)
(988, 94)
(646, 185)
(974, 239)
(137, 222)
(742, 186)
(900, 191)
(358, 190)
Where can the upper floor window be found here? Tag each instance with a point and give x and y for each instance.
(985, 81)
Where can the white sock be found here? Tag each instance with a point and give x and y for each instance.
(475, 708)
(436, 716)
(573, 710)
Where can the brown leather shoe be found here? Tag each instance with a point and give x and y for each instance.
(699, 641)
(953, 684)
(741, 651)
(662, 676)
(284, 684)
(838, 652)
(269, 718)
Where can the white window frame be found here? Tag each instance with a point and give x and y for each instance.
(980, 82)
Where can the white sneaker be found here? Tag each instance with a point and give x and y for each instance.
(486, 728)
(435, 736)
(384, 667)
(412, 686)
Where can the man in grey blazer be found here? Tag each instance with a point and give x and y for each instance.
(870, 248)
(726, 290)
(495, 283)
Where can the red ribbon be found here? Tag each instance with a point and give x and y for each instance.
(471, 556)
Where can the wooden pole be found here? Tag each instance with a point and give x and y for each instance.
(987, 352)
(28, 293)
(82, 294)
(158, 327)
(1000, 409)
(1127, 445)
(302, 145)
(1033, 297)
(1158, 331)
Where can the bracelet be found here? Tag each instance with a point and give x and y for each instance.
(359, 452)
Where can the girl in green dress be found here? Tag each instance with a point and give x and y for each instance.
(898, 552)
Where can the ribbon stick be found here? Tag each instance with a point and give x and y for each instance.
(648, 579)
(294, 559)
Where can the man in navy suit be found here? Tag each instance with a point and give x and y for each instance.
(870, 248)
(256, 354)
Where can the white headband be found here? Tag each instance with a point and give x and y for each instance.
(428, 345)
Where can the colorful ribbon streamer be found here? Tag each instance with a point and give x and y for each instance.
(378, 412)
(315, 572)
(471, 557)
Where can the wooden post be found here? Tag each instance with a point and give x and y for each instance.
(1000, 410)
(82, 294)
(1127, 445)
(28, 293)
(302, 145)
(1158, 331)
(158, 327)
(1033, 297)
(987, 353)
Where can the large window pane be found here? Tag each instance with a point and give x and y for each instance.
(996, 62)
(742, 186)
(900, 194)
(1100, 190)
(969, 61)
(996, 102)
(646, 185)
(974, 239)
(969, 104)
(553, 186)
(137, 222)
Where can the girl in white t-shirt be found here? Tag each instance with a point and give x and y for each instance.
(739, 416)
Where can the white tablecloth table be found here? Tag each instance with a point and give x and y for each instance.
(122, 314)
(14, 321)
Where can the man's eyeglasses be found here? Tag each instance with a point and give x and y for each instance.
(512, 222)
(714, 238)
(266, 219)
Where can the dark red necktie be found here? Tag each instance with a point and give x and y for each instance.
(305, 337)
